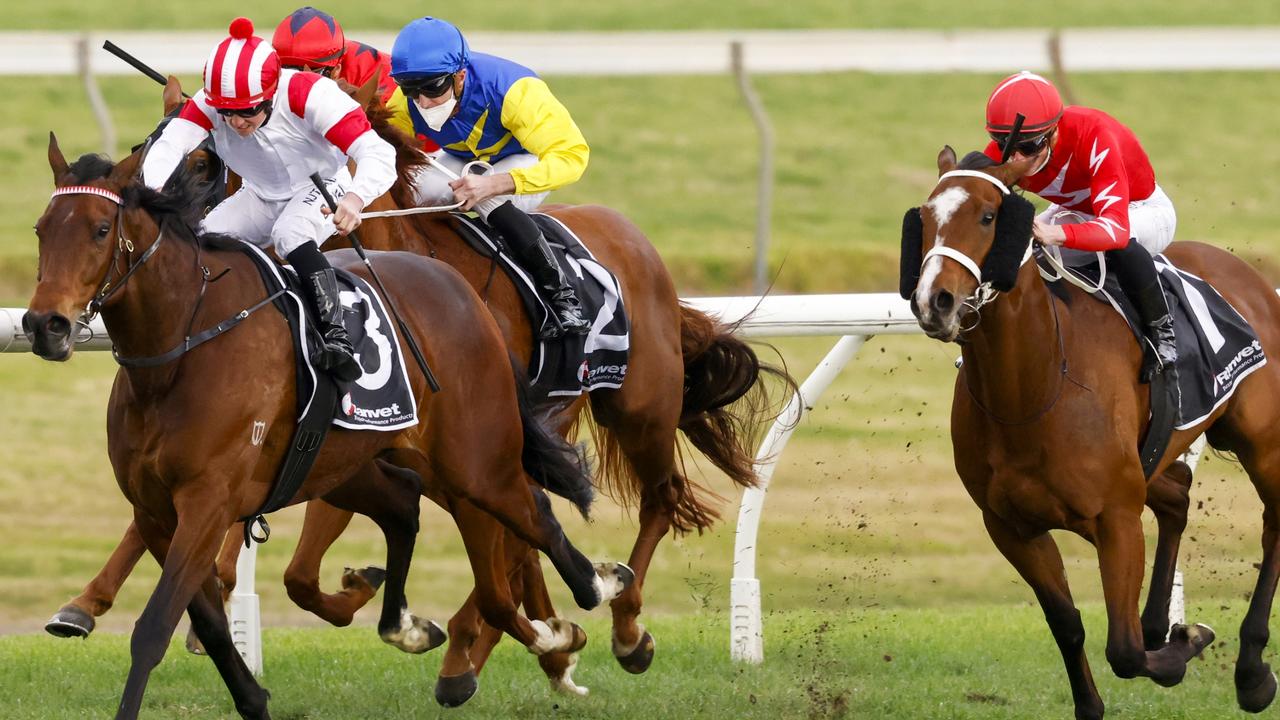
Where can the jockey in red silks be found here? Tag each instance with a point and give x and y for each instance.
(275, 128)
(313, 40)
(1104, 193)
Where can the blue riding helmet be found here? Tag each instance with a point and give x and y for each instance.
(428, 46)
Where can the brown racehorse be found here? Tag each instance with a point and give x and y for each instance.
(683, 372)
(1047, 417)
(179, 432)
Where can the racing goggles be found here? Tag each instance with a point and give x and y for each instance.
(249, 112)
(432, 86)
(1027, 146)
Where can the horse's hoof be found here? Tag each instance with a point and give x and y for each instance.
(637, 659)
(610, 581)
(415, 635)
(69, 622)
(1198, 636)
(555, 635)
(1257, 698)
(373, 576)
(455, 690)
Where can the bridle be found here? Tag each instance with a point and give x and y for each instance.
(124, 246)
(985, 292)
(107, 288)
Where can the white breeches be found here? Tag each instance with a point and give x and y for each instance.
(1152, 221)
(282, 224)
(433, 185)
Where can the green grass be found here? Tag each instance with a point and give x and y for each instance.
(652, 15)
(988, 662)
(678, 155)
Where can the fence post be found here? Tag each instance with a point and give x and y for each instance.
(764, 190)
(244, 616)
(84, 64)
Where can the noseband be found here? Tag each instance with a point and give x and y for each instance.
(985, 292)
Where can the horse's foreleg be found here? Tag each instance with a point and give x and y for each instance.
(1039, 563)
(209, 623)
(76, 618)
(228, 556)
(323, 524)
(1120, 558)
(1169, 497)
(186, 563)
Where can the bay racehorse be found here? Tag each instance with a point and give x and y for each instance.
(179, 433)
(1047, 416)
(684, 372)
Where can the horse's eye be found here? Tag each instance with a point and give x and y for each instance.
(201, 167)
(103, 229)
(988, 218)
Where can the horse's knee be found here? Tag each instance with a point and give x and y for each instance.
(1066, 626)
(300, 586)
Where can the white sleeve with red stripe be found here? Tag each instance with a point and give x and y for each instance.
(322, 104)
(1109, 195)
(183, 134)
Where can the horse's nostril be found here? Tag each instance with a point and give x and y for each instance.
(27, 323)
(58, 326)
(942, 301)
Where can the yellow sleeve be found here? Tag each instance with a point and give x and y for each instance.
(399, 107)
(543, 126)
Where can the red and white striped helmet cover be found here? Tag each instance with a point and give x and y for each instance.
(242, 70)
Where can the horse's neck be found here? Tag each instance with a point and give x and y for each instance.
(1013, 359)
(155, 308)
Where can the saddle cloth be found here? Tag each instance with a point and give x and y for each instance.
(572, 364)
(381, 399)
(1216, 347)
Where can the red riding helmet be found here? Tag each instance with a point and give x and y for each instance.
(1026, 93)
(242, 71)
(309, 37)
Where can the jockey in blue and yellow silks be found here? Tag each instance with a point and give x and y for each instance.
(481, 107)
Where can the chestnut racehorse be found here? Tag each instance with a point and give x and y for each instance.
(683, 373)
(1047, 416)
(179, 435)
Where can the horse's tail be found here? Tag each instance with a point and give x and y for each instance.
(548, 458)
(719, 371)
(725, 401)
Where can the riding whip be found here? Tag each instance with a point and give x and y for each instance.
(404, 329)
(142, 67)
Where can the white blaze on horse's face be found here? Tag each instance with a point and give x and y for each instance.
(943, 206)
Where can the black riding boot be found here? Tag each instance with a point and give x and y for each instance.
(337, 357)
(1137, 274)
(531, 250)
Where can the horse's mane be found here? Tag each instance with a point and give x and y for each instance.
(409, 155)
(976, 160)
(179, 206)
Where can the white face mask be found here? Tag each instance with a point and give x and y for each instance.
(437, 115)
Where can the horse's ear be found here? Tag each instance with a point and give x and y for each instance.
(946, 160)
(126, 169)
(367, 93)
(1014, 170)
(56, 161)
(172, 95)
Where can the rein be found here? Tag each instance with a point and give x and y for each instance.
(106, 288)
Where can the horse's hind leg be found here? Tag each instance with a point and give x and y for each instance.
(1119, 542)
(1255, 682)
(76, 618)
(323, 524)
(1169, 497)
(390, 497)
(1039, 563)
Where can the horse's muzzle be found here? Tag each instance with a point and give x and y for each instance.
(939, 317)
(49, 334)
